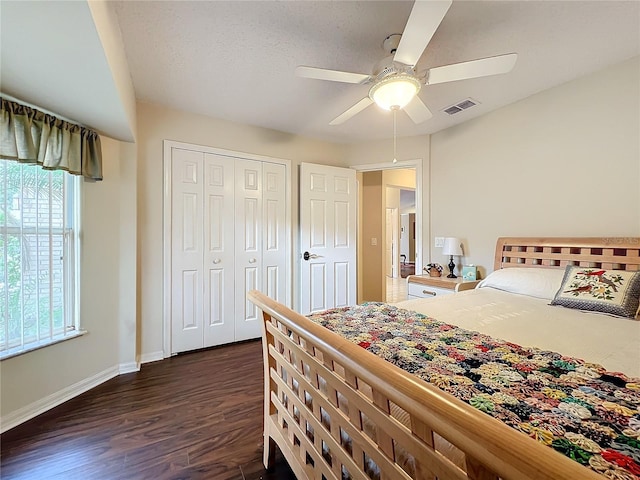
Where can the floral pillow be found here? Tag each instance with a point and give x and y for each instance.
(616, 292)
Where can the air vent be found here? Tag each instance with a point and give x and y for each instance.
(460, 106)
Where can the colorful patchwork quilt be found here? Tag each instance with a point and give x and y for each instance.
(580, 409)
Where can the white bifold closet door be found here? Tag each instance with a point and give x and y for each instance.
(260, 247)
(218, 261)
(248, 244)
(228, 237)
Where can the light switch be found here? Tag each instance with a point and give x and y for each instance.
(374, 241)
(439, 242)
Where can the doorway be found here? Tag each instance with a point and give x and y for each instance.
(401, 244)
(380, 230)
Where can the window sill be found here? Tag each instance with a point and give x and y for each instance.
(14, 352)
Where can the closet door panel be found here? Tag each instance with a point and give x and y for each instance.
(248, 245)
(274, 251)
(218, 259)
(187, 248)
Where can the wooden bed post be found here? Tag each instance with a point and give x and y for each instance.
(269, 448)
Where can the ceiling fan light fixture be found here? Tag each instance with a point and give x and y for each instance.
(394, 91)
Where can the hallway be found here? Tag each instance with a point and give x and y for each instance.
(396, 289)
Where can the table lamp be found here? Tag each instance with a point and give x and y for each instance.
(452, 246)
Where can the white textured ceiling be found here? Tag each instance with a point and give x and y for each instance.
(52, 57)
(235, 60)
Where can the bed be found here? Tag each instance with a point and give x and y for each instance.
(336, 410)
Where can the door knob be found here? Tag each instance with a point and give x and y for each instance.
(217, 260)
(252, 260)
(307, 255)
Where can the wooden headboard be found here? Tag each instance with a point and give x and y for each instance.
(611, 253)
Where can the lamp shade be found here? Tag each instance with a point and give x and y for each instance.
(452, 246)
(395, 91)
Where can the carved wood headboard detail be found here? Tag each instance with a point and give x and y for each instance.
(613, 253)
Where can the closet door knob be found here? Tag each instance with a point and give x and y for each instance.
(252, 260)
(217, 260)
(307, 255)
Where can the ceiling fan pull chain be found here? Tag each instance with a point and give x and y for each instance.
(395, 158)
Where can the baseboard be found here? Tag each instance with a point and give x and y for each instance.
(151, 357)
(23, 414)
(128, 367)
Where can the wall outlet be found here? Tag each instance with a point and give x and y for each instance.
(374, 241)
(439, 242)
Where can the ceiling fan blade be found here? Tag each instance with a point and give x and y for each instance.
(417, 110)
(423, 22)
(473, 69)
(331, 75)
(357, 108)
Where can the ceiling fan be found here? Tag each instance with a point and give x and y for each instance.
(395, 82)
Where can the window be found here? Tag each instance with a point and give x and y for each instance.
(38, 257)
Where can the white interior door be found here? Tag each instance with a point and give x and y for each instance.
(186, 244)
(327, 237)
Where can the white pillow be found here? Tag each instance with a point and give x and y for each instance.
(532, 281)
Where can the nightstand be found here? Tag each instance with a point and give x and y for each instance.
(424, 286)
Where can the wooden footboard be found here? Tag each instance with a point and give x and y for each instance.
(334, 409)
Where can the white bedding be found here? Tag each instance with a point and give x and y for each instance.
(610, 341)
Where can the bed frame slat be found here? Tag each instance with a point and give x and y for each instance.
(424, 433)
(605, 253)
(385, 442)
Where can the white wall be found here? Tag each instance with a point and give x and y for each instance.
(35, 381)
(563, 162)
(128, 332)
(155, 124)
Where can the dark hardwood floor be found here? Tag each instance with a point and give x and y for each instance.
(193, 416)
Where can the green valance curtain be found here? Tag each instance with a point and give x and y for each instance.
(31, 136)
